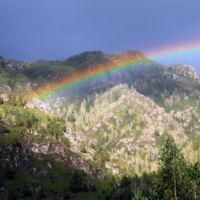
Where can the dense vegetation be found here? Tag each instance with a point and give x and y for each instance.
(174, 179)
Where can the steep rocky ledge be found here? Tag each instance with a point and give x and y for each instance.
(20, 156)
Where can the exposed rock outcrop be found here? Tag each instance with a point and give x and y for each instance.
(186, 70)
(5, 97)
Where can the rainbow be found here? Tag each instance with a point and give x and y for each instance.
(88, 74)
(127, 62)
(174, 51)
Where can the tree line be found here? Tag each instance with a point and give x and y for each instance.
(175, 178)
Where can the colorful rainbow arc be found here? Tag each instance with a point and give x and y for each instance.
(175, 50)
(127, 62)
(78, 78)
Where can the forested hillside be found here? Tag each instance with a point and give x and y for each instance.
(131, 133)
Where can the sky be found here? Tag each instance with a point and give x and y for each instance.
(58, 29)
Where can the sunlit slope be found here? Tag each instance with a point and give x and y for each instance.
(126, 124)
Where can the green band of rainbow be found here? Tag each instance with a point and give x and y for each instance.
(127, 62)
(85, 75)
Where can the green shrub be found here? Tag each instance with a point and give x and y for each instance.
(67, 196)
(83, 149)
(124, 182)
(12, 195)
(16, 142)
(1, 101)
(9, 173)
(26, 192)
(93, 188)
(156, 133)
(107, 198)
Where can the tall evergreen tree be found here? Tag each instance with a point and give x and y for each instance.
(1, 100)
(138, 196)
(172, 180)
(194, 171)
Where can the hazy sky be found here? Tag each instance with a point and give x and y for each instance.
(57, 29)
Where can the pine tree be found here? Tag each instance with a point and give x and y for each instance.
(172, 180)
(83, 149)
(1, 101)
(138, 196)
(20, 102)
(33, 119)
(124, 182)
(194, 171)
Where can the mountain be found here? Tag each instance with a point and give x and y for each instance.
(80, 142)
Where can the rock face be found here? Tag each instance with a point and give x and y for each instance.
(113, 167)
(10, 65)
(43, 173)
(181, 69)
(35, 186)
(30, 105)
(20, 160)
(32, 132)
(28, 87)
(90, 150)
(40, 147)
(47, 148)
(42, 106)
(75, 138)
(75, 145)
(80, 136)
(5, 97)
(62, 194)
